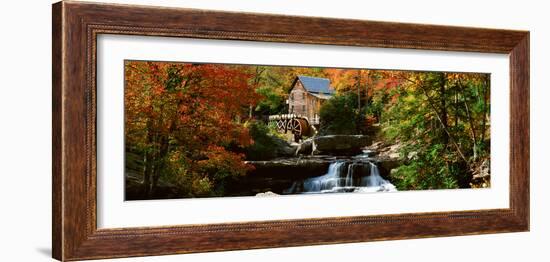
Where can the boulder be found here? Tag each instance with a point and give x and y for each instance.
(387, 165)
(482, 175)
(283, 148)
(388, 157)
(305, 147)
(291, 167)
(270, 147)
(277, 175)
(339, 144)
(389, 153)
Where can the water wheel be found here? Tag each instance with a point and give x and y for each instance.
(299, 127)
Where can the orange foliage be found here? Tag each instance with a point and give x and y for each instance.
(194, 109)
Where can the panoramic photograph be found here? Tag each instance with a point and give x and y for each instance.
(196, 130)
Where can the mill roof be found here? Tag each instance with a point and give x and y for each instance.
(316, 84)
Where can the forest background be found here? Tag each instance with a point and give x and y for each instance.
(193, 125)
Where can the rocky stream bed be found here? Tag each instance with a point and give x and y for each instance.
(323, 164)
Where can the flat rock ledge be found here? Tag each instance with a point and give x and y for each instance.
(336, 145)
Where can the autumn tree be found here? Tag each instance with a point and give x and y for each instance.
(184, 120)
(192, 125)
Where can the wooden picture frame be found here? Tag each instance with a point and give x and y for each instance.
(76, 26)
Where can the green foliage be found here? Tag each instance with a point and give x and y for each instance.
(441, 119)
(273, 102)
(174, 79)
(265, 144)
(340, 116)
(428, 170)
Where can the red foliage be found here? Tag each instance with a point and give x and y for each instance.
(194, 108)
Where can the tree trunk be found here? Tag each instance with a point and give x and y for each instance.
(485, 98)
(456, 108)
(160, 163)
(148, 160)
(256, 83)
(445, 129)
(442, 82)
(472, 129)
(359, 90)
(147, 174)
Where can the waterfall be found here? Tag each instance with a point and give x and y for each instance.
(342, 177)
(374, 182)
(326, 182)
(374, 179)
(349, 176)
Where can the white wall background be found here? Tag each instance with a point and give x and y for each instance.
(25, 129)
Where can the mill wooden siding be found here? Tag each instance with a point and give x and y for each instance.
(303, 103)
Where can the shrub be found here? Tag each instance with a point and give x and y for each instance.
(340, 116)
(264, 146)
(428, 170)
